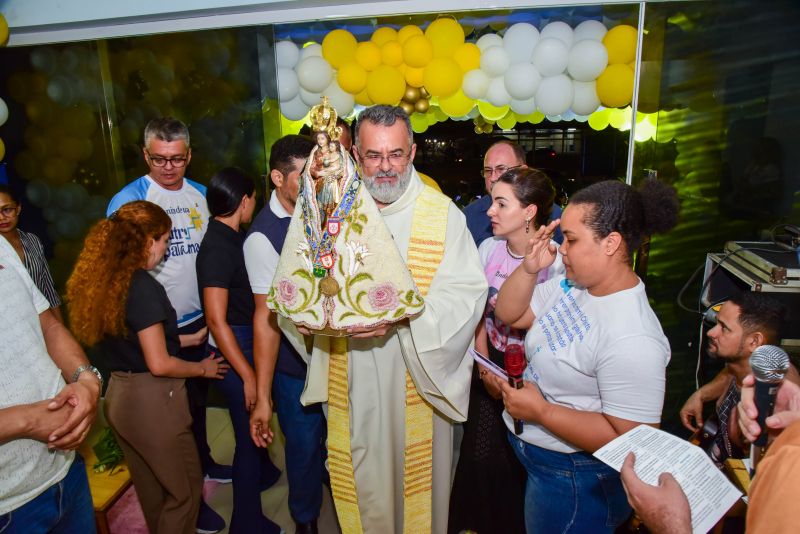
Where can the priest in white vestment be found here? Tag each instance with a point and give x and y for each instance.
(431, 346)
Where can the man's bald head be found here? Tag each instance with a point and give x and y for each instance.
(500, 157)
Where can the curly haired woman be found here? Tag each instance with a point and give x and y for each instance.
(115, 302)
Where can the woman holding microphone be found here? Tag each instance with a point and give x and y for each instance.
(596, 354)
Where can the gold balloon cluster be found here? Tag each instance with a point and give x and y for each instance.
(415, 99)
(482, 125)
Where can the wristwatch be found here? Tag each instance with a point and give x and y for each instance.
(91, 368)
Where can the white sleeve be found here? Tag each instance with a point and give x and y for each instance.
(631, 378)
(542, 292)
(9, 258)
(261, 260)
(485, 249)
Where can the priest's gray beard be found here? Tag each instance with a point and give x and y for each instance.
(386, 193)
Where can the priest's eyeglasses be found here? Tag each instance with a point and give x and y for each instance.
(160, 161)
(395, 159)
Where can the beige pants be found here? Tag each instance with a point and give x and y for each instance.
(150, 417)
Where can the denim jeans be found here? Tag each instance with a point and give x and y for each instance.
(250, 463)
(572, 493)
(63, 508)
(304, 428)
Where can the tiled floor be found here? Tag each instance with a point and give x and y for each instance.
(274, 501)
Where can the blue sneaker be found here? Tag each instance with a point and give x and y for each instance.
(219, 473)
(208, 521)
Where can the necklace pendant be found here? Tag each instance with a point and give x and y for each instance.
(329, 286)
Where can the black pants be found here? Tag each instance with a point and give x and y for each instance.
(197, 393)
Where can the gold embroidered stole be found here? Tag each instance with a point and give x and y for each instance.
(425, 253)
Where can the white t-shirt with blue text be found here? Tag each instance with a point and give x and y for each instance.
(188, 210)
(598, 354)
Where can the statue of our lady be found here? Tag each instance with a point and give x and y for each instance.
(339, 267)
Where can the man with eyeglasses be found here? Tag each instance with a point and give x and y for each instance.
(167, 153)
(402, 385)
(502, 156)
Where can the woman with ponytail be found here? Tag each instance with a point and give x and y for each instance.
(115, 303)
(596, 354)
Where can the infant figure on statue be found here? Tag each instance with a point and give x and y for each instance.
(339, 267)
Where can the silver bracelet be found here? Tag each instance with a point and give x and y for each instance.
(91, 368)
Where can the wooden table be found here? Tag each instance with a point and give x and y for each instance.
(106, 487)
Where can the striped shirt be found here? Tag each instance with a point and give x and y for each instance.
(36, 264)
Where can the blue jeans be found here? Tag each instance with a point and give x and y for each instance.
(304, 428)
(63, 508)
(249, 462)
(569, 492)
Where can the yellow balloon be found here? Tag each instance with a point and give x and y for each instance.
(385, 85)
(419, 122)
(363, 98)
(615, 86)
(2, 150)
(406, 32)
(446, 35)
(618, 117)
(3, 36)
(392, 54)
(456, 105)
(508, 122)
(417, 51)
(352, 78)
(620, 42)
(368, 55)
(415, 77)
(442, 76)
(490, 112)
(468, 57)
(599, 119)
(383, 35)
(339, 47)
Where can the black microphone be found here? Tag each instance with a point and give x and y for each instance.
(515, 362)
(769, 365)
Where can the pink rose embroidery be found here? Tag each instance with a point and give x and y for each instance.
(287, 292)
(383, 297)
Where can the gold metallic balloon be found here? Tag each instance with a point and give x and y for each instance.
(411, 95)
(422, 105)
(407, 107)
(423, 93)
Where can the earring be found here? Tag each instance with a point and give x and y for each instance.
(527, 226)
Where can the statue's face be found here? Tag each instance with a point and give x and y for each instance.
(386, 159)
(322, 140)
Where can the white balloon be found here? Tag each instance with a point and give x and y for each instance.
(587, 60)
(341, 101)
(568, 115)
(550, 57)
(309, 98)
(488, 40)
(3, 112)
(523, 107)
(294, 109)
(287, 54)
(496, 94)
(44, 59)
(522, 80)
(558, 30)
(519, 41)
(314, 49)
(589, 29)
(494, 61)
(582, 118)
(314, 74)
(554, 96)
(585, 101)
(475, 84)
(60, 91)
(287, 84)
